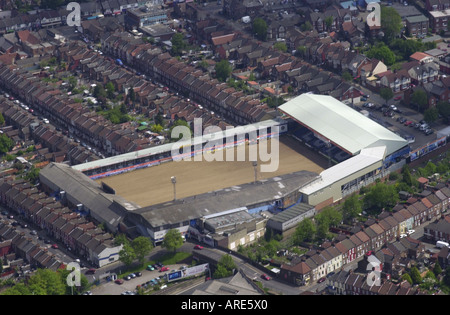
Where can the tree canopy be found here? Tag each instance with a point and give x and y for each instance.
(391, 23)
(380, 196)
(178, 44)
(260, 28)
(225, 267)
(47, 282)
(6, 144)
(383, 53)
(172, 240)
(223, 70)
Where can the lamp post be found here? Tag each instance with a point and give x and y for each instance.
(174, 182)
(255, 166)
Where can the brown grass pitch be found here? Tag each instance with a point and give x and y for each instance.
(153, 185)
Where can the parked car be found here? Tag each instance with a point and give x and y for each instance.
(165, 268)
(408, 122)
(265, 277)
(55, 246)
(150, 268)
(411, 232)
(397, 98)
(321, 280)
(428, 132)
(119, 281)
(91, 271)
(198, 247)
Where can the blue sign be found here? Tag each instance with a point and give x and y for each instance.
(174, 275)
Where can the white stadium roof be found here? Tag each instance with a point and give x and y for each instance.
(366, 158)
(343, 126)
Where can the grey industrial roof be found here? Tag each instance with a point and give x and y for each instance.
(81, 188)
(264, 191)
(292, 212)
(340, 124)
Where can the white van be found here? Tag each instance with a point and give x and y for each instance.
(441, 244)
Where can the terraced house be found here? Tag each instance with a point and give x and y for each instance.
(374, 237)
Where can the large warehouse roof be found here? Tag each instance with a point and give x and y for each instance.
(340, 124)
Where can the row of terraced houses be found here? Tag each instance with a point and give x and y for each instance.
(373, 236)
(60, 223)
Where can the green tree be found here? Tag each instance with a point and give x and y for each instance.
(329, 215)
(2, 120)
(223, 70)
(142, 246)
(444, 109)
(6, 144)
(431, 114)
(301, 51)
(446, 279)
(281, 46)
(380, 196)
(305, 231)
(437, 270)
(33, 175)
(407, 178)
(347, 76)
(178, 44)
(328, 22)
(99, 91)
(306, 27)
(386, 94)
(415, 275)
(172, 240)
(391, 23)
(127, 254)
(260, 28)
(383, 53)
(110, 89)
(225, 267)
(352, 208)
(419, 98)
(407, 277)
(131, 95)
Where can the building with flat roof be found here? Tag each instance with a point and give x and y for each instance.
(372, 148)
(289, 219)
(79, 191)
(339, 124)
(144, 16)
(274, 194)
